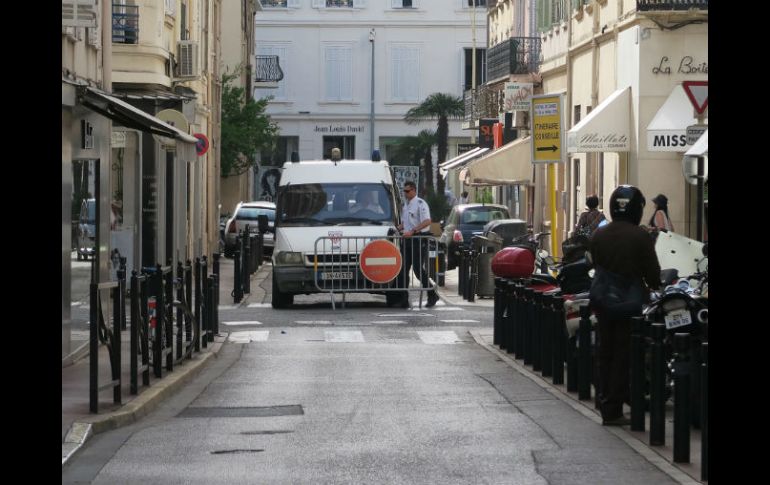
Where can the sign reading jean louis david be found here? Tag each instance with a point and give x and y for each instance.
(547, 128)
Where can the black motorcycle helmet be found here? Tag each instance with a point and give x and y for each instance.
(627, 204)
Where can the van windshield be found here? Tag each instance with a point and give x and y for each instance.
(335, 203)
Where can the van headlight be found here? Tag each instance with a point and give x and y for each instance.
(288, 258)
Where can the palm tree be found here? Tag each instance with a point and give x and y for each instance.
(439, 106)
(411, 149)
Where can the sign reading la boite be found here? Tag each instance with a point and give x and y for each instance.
(547, 133)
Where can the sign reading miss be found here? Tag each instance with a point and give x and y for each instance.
(547, 133)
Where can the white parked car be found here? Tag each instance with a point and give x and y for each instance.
(246, 213)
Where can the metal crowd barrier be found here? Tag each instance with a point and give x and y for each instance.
(337, 265)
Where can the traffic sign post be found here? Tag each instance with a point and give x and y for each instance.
(698, 92)
(380, 261)
(547, 128)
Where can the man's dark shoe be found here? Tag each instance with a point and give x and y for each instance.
(432, 299)
(621, 421)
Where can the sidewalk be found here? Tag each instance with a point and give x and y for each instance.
(78, 424)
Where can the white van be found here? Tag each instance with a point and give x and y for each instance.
(327, 199)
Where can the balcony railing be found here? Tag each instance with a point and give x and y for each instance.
(274, 3)
(648, 5)
(125, 24)
(485, 102)
(339, 3)
(517, 55)
(267, 69)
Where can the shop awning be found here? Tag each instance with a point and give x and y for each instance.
(605, 129)
(701, 147)
(460, 160)
(132, 117)
(667, 132)
(508, 165)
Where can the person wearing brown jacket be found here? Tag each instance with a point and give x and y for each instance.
(621, 248)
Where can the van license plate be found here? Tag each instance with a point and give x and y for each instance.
(337, 275)
(678, 318)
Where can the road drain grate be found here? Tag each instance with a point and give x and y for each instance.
(222, 452)
(241, 412)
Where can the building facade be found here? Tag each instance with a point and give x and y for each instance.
(621, 66)
(335, 53)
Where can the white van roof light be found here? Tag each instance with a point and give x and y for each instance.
(376, 155)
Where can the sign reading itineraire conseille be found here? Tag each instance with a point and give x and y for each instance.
(547, 132)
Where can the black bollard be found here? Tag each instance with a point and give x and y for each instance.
(245, 275)
(559, 334)
(198, 304)
(122, 285)
(572, 372)
(497, 312)
(188, 288)
(537, 329)
(210, 305)
(509, 319)
(584, 354)
(695, 382)
(637, 374)
(704, 413)
(546, 336)
(520, 317)
(472, 279)
(681, 398)
(526, 349)
(179, 312)
(237, 278)
(460, 273)
(134, 339)
(657, 387)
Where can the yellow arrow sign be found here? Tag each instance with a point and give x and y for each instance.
(547, 133)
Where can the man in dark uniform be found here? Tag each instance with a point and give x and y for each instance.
(623, 248)
(415, 221)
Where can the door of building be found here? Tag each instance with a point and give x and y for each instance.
(345, 143)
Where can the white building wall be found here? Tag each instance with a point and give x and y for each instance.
(439, 30)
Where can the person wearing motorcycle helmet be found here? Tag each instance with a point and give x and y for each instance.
(625, 249)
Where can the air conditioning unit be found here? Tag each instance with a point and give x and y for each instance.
(188, 65)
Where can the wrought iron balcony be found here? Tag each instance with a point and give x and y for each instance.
(339, 3)
(485, 102)
(517, 55)
(648, 5)
(125, 24)
(274, 3)
(267, 69)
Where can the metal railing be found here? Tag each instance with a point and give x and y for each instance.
(267, 69)
(647, 5)
(516, 55)
(339, 265)
(125, 24)
(339, 3)
(484, 102)
(274, 3)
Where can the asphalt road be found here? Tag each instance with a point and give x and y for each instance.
(365, 394)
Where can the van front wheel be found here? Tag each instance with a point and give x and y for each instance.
(281, 300)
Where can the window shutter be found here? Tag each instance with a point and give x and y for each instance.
(396, 3)
(293, 4)
(78, 13)
(359, 3)
(319, 3)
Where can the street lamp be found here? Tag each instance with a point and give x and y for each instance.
(371, 112)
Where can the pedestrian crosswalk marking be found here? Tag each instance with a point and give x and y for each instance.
(259, 305)
(448, 309)
(343, 336)
(389, 322)
(245, 322)
(250, 336)
(438, 337)
(459, 321)
(313, 322)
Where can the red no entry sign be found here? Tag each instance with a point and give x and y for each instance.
(380, 261)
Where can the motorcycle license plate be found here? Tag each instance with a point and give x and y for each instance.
(678, 318)
(337, 275)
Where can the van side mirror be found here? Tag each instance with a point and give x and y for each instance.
(262, 223)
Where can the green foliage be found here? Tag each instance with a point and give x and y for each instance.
(484, 196)
(441, 107)
(246, 129)
(439, 208)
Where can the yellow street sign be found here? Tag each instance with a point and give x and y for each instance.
(547, 132)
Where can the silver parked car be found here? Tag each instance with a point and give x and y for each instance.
(246, 213)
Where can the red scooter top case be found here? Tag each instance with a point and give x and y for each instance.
(513, 262)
